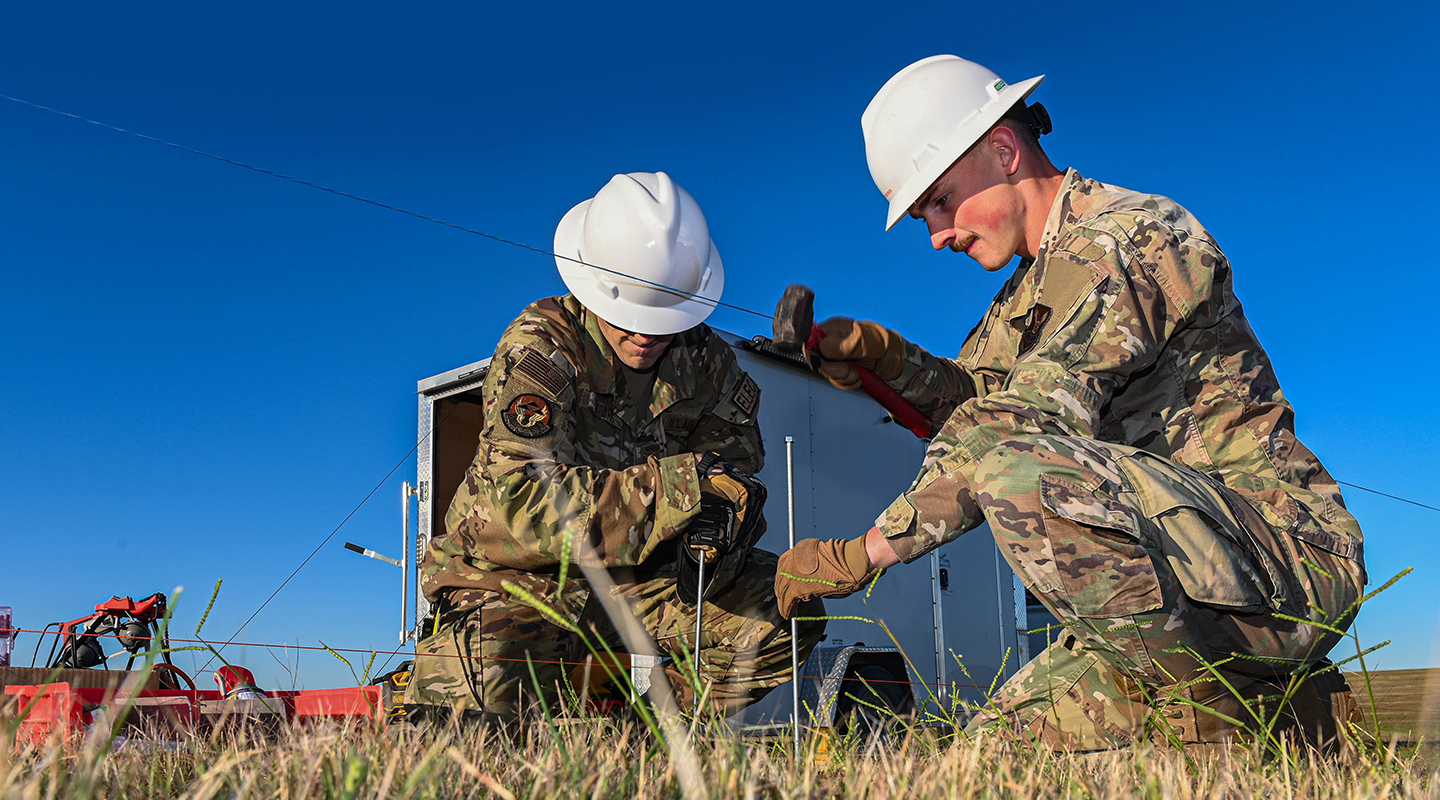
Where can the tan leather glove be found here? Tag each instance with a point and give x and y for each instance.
(815, 568)
(731, 490)
(721, 483)
(870, 343)
(731, 518)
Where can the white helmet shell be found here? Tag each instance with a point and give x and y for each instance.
(925, 118)
(655, 269)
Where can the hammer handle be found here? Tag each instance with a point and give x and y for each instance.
(901, 410)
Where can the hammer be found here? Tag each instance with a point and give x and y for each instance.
(795, 331)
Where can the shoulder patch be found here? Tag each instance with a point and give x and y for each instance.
(528, 416)
(544, 373)
(1071, 272)
(746, 396)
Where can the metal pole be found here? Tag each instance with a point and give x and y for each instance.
(419, 604)
(405, 562)
(794, 625)
(937, 620)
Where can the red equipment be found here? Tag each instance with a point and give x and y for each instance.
(237, 682)
(134, 624)
(59, 708)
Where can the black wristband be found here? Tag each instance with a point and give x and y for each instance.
(709, 461)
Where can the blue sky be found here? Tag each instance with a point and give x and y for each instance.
(206, 369)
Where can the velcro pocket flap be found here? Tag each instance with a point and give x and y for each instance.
(1204, 544)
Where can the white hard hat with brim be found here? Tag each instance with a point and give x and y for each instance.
(649, 265)
(925, 118)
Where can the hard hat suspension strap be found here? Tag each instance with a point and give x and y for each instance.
(1033, 116)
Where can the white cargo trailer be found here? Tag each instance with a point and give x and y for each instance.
(960, 604)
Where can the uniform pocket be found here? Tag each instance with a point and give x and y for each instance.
(1104, 569)
(1206, 547)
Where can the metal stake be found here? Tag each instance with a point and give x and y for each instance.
(699, 622)
(794, 625)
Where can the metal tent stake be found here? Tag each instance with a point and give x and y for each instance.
(699, 623)
(794, 624)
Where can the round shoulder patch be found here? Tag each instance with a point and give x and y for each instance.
(528, 416)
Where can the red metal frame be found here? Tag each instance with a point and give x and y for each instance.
(61, 709)
(147, 611)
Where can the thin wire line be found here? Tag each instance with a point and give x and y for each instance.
(1383, 494)
(327, 539)
(362, 651)
(692, 295)
(703, 300)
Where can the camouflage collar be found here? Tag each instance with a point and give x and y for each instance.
(604, 369)
(675, 376)
(1062, 210)
(1022, 292)
(1063, 215)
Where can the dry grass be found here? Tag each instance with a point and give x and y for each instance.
(584, 755)
(602, 757)
(1407, 702)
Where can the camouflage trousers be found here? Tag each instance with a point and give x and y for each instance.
(1155, 570)
(487, 642)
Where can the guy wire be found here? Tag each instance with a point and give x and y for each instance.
(387, 206)
(327, 539)
(1383, 494)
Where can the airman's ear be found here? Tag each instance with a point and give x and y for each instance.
(1005, 146)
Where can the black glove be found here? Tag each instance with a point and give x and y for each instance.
(731, 513)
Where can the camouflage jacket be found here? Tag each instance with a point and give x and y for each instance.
(565, 451)
(1124, 328)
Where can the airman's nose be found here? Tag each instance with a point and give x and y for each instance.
(942, 239)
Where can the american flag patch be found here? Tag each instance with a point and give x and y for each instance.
(545, 375)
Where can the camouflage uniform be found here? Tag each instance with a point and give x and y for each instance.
(567, 458)
(1117, 422)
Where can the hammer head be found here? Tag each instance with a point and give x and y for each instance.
(794, 317)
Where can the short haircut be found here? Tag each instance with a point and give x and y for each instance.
(1029, 123)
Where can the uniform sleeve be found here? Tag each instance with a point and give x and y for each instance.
(934, 385)
(530, 468)
(728, 425)
(1144, 282)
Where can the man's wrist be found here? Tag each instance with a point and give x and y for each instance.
(878, 550)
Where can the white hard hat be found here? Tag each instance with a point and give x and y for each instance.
(658, 271)
(926, 117)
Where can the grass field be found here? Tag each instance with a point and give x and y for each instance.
(1407, 703)
(643, 755)
(603, 757)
